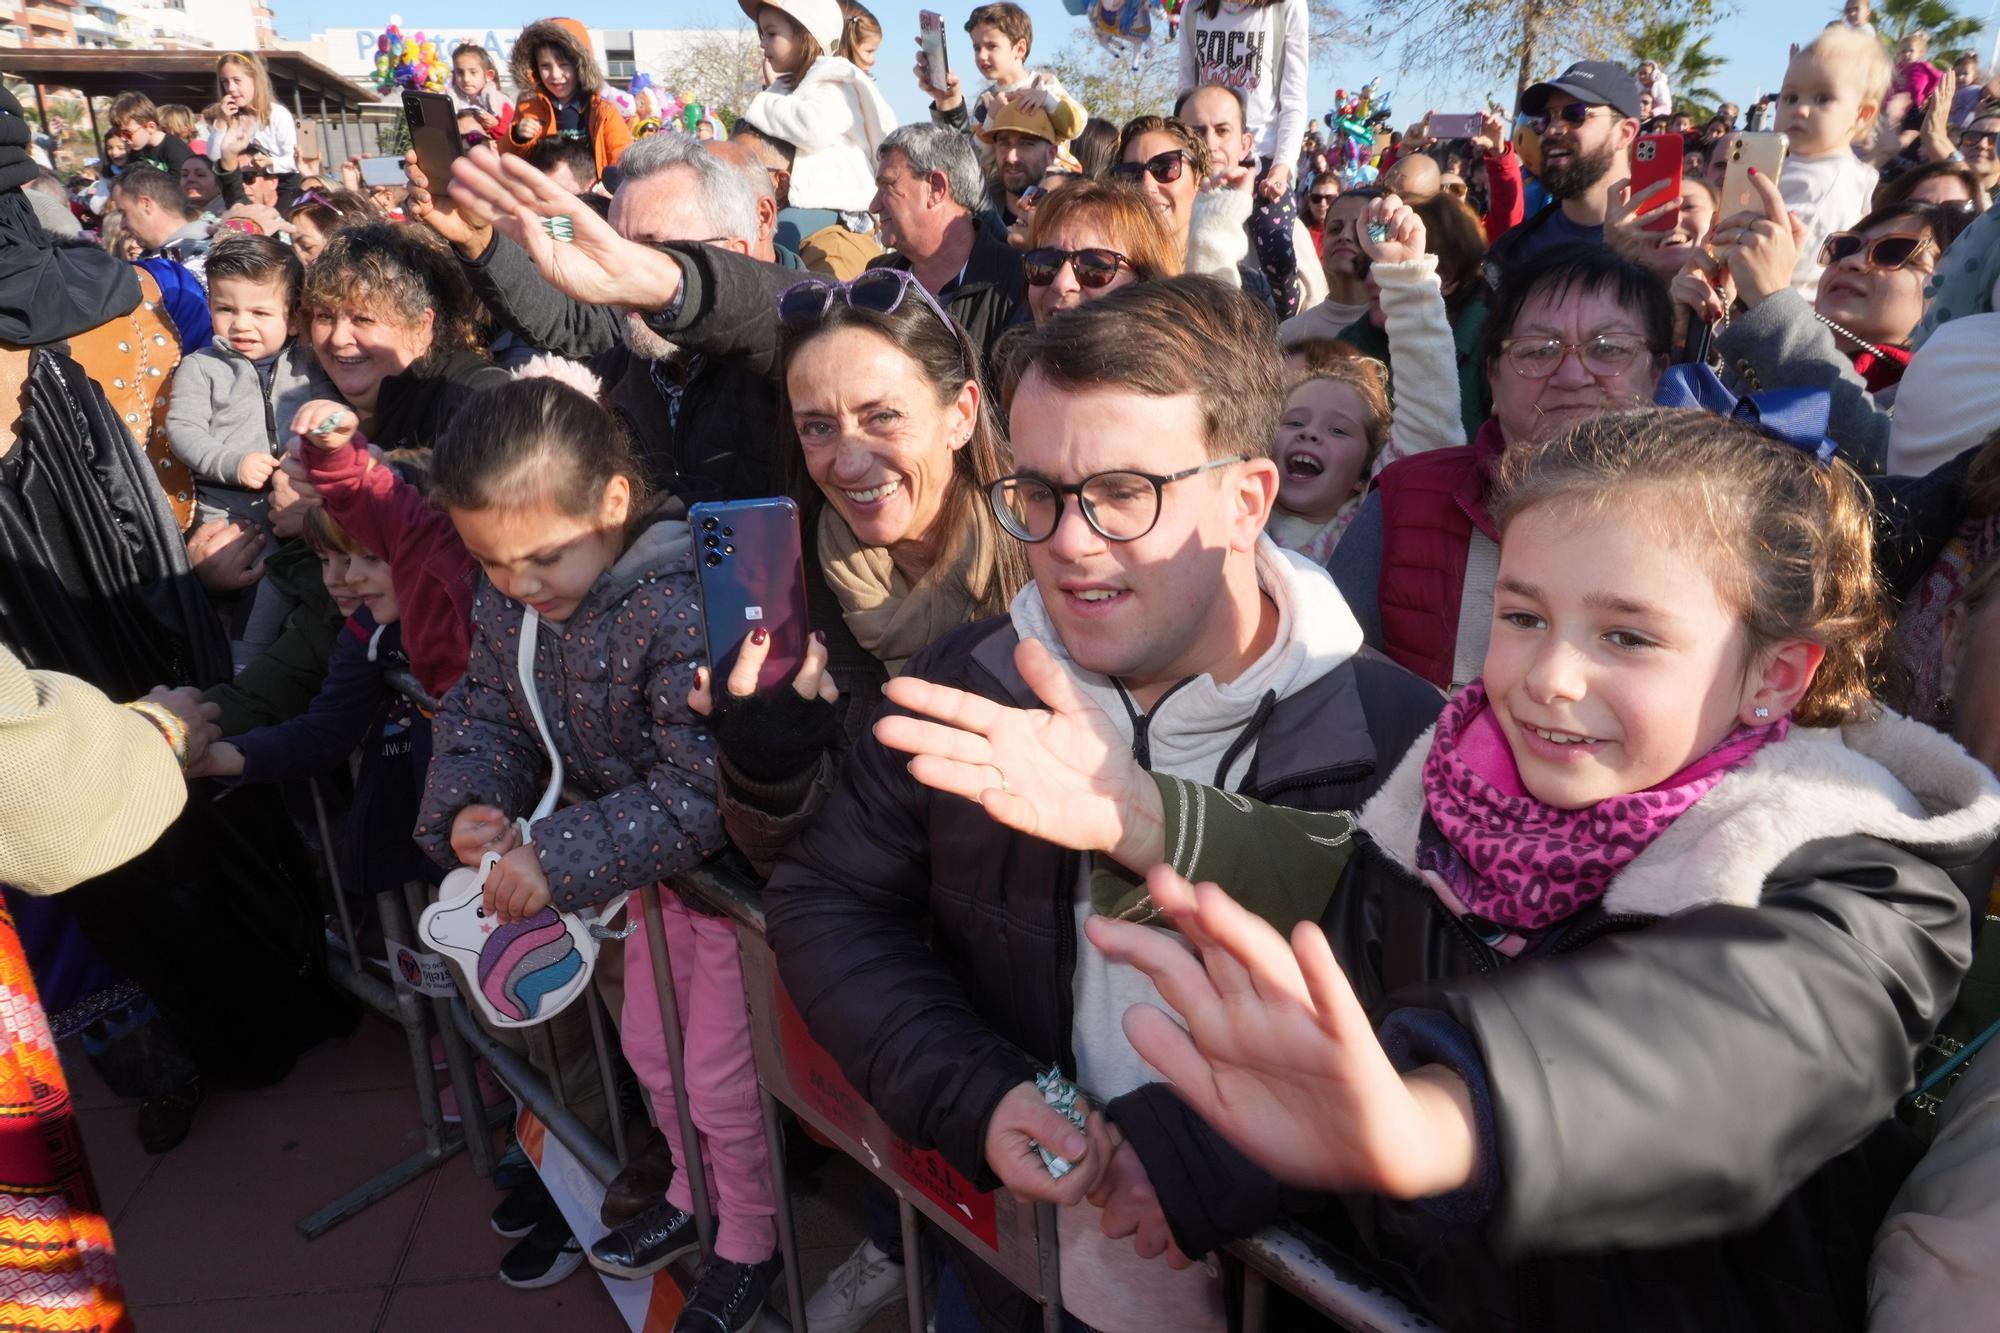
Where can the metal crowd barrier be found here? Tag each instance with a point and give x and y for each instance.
(407, 1009)
(1016, 1238)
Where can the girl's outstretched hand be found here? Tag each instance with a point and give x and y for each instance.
(325, 424)
(1064, 775)
(1279, 1055)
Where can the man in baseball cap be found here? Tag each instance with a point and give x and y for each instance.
(1587, 117)
(1025, 134)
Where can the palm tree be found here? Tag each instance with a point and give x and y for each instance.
(1688, 64)
(1949, 29)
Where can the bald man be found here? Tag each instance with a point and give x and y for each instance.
(1415, 177)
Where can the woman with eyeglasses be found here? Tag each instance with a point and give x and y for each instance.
(1979, 147)
(1574, 333)
(1089, 238)
(1317, 204)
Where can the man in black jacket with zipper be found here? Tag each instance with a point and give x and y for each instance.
(937, 953)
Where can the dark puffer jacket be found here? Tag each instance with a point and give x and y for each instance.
(1687, 1087)
(613, 683)
(932, 951)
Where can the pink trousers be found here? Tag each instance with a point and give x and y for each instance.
(722, 1081)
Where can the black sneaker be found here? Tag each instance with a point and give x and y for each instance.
(519, 1211)
(164, 1121)
(648, 1243)
(727, 1297)
(513, 1170)
(546, 1256)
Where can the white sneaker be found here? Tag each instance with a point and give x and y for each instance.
(865, 1282)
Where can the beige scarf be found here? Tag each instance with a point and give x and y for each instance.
(895, 619)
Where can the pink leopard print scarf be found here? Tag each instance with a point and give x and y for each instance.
(1524, 866)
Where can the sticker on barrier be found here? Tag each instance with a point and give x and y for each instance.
(424, 973)
(819, 1080)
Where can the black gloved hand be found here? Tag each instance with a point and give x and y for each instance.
(774, 735)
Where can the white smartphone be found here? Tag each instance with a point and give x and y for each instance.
(383, 171)
(930, 29)
(1762, 149)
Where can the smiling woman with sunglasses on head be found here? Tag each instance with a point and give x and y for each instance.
(1090, 238)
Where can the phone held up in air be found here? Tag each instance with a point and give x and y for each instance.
(937, 66)
(433, 134)
(749, 560)
(1658, 157)
(1765, 151)
(383, 171)
(1442, 126)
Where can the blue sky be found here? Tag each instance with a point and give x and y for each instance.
(1756, 40)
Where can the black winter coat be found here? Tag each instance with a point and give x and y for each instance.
(931, 950)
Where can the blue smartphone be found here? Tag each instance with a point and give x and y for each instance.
(749, 559)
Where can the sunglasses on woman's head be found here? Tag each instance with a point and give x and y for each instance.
(1094, 268)
(1884, 253)
(1162, 167)
(881, 290)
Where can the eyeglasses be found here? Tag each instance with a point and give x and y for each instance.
(1536, 358)
(1969, 138)
(881, 290)
(1119, 506)
(1884, 253)
(1322, 200)
(1575, 113)
(1162, 167)
(1094, 268)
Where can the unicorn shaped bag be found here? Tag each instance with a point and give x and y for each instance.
(528, 971)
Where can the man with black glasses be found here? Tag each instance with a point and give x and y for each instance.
(1588, 117)
(936, 951)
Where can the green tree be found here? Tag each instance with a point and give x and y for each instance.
(1687, 61)
(1949, 29)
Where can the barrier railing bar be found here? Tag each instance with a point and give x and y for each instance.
(1256, 1300)
(1050, 1255)
(670, 1029)
(913, 1265)
(531, 1088)
(606, 1073)
(333, 877)
(458, 1060)
(788, 1236)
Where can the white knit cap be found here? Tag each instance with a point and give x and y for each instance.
(821, 18)
(1949, 398)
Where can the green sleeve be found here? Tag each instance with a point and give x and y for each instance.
(1281, 864)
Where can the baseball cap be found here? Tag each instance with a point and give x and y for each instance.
(1597, 82)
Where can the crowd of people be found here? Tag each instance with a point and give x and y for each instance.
(1493, 767)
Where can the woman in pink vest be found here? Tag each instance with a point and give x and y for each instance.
(1574, 333)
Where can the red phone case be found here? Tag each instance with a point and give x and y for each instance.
(749, 560)
(1657, 157)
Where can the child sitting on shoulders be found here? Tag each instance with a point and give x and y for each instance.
(564, 95)
(1832, 91)
(822, 104)
(1002, 35)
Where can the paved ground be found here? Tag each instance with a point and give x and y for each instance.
(207, 1237)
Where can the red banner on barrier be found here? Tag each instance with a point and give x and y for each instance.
(819, 1083)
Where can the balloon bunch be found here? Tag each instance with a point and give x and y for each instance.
(1354, 121)
(1122, 27)
(410, 60)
